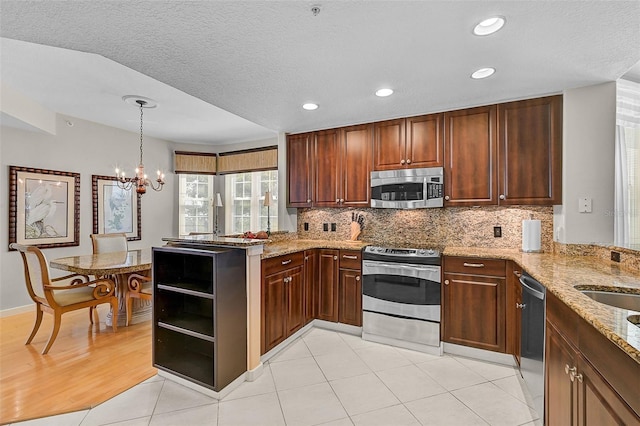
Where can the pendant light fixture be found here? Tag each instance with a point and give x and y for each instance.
(140, 180)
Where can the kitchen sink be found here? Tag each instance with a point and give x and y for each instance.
(628, 301)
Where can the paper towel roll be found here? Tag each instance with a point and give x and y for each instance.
(530, 235)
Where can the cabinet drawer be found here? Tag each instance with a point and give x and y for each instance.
(350, 259)
(475, 266)
(281, 263)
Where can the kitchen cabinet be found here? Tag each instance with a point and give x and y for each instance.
(310, 283)
(330, 168)
(589, 381)
(513, 310)
(350, 288)
(327, 288)
(470, 171)
(530, 151)
(200, 314)
(282, 299)
(409, 143)
(473, 302)
(300, 169)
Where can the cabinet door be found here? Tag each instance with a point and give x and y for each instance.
(560, 392)
(273, 311)
(530, 151)
(470, 157)
(356, 166)
(295, 310)
(425, 144)
(350, 296)
(327, 169)
(389, 149)
(310, 283)
(299, 170)
(474, 311)
(327, 295)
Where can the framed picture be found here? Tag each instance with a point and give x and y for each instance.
(115, 209)
(44, 207)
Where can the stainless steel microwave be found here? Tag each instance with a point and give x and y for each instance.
(407, 188)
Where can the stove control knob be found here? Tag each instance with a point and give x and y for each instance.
(431, 252)
(380, 250)
(422, 251)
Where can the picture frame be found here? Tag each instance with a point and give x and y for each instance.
(44, 207)
(115, 209)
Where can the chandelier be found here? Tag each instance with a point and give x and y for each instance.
(140, 180)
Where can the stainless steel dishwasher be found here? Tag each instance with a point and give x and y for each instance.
(532, 344)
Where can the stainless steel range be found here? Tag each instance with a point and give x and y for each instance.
(401, 297)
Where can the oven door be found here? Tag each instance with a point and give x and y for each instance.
(405, 290)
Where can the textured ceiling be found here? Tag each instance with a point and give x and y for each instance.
(261, 60)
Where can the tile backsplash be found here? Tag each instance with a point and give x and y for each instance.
(452, 226)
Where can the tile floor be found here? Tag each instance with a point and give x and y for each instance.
(330, 378)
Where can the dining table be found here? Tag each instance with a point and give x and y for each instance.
(120, 265)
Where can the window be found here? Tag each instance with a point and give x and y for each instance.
(196, 204)
(244, 200)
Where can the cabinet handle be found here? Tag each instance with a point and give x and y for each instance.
(446, 282)
(517, 273)
(473, 265)
(402, 162)
(286, 262)
(571, 371)
(337, 200)
(446, 197)
(358, 278)
(579, 377)
(308, 200)
(521, 306)
(347, 256)
(341, 200)
(502, 197)
(335, 257)
(408, 161)
(306, 258)
(286, 280)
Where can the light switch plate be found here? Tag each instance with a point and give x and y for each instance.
(584, 205)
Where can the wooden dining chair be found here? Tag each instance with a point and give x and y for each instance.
(139, 286)
(64, 294)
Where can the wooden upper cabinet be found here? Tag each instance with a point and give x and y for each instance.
(389, 145)
(530, 151)
(300, 170)
(424, 142)
(408, 143)
(327, 169)
(470, 157)
(356, 166)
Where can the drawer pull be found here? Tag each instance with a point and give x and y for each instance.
(358, 278)
(335, 257)
(473, 265)
(286, 262)
(520, 305)
(517, 273)
(347, 256)
(446, 282)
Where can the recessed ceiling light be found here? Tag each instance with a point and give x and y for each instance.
(483, 73)
(489, 26)
(310, 106)
(384, 92)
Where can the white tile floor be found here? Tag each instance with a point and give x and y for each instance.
(329, 378)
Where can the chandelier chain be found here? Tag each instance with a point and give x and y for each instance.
(141, 109)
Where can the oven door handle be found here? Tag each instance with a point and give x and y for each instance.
(416, 271)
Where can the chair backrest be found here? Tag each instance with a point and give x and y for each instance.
(108, 243)
(36, 270)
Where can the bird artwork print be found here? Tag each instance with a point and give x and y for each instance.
(40, 205)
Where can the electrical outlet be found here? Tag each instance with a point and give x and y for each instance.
(615, 256)
(497, 231)
(325, 227)
(306, 226)
(333, 227)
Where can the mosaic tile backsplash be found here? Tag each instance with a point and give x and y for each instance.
(452, 226)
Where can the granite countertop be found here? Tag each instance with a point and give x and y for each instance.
(561, 273)
(292, 246)
(213, 240)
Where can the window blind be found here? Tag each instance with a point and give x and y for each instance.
(251, 160)
(203, 163)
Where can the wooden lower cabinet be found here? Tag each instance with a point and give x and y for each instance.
(350, 297)
(576, 391)
(310, 284)
(327, 288)
(273, 311)
(473, 303)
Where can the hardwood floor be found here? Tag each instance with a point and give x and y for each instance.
(86, 365)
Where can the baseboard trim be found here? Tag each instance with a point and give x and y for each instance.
(204, 390)
(481, 354)
(15, 311)
(288, 341)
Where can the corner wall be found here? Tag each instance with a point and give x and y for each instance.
(86, 148)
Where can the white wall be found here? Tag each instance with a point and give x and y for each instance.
(86, 148)
(588, 165)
